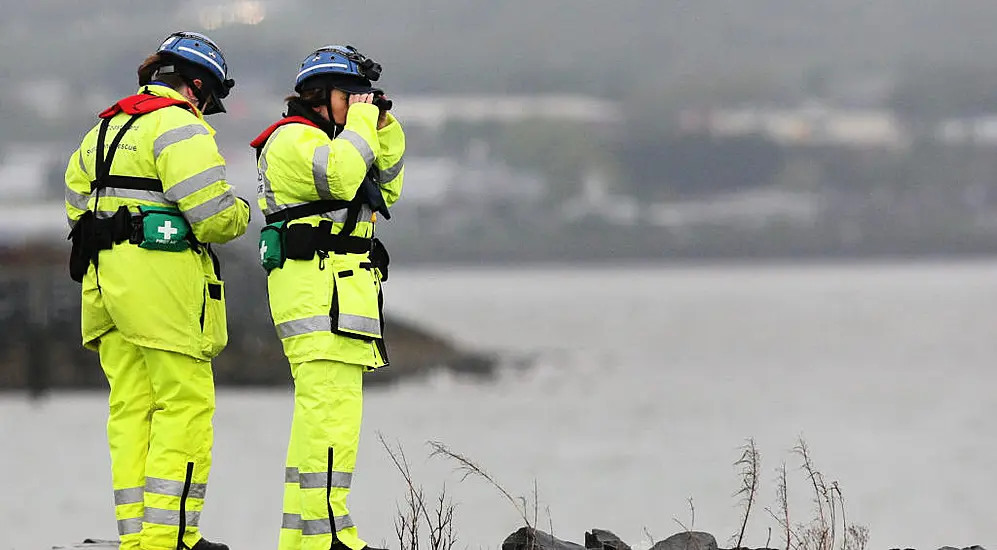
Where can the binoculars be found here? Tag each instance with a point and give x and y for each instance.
(382, 102)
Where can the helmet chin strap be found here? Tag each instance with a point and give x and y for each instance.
(198, 93)
(332, 117)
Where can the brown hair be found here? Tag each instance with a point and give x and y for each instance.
(148, 68)
(311, 96)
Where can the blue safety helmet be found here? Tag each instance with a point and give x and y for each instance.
(341, 67)
(197, 56)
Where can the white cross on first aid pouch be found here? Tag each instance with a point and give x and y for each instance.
(168, 230)
(164, 228)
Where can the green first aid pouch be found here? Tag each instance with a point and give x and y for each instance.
(163, 228)
(272, 246)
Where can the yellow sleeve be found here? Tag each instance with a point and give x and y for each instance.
(390, 162)
(193, 174)
(77, 187)
(347, 159)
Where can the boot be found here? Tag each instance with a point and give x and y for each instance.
(337, 545)
(203, 544)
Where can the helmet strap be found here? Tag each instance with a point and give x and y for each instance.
(199, 92)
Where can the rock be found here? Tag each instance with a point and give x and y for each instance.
(91, 544)
(688, 540)
(599, 539)
(527, 538)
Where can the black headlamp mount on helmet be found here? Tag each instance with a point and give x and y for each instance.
(368, 71)
(211, 91)
(368, 68)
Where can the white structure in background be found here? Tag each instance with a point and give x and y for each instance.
(811, 124)
(435, 111)
(597, 202)
(980, 130)
(754, 208)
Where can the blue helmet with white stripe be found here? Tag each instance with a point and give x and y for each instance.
(197, 56)
(336, 66)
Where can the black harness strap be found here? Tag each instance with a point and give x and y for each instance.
(103, 166)
(352, 217)
(310, 209)
(133, 182)
(104, 178)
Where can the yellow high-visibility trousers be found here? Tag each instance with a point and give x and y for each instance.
(321, 455)
(160, 435)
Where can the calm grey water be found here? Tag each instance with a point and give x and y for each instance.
(647, 381)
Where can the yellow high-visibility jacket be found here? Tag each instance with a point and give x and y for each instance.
(172, 301)
(300, 164)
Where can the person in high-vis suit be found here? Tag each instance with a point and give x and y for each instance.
(327, 170)
(146, 196)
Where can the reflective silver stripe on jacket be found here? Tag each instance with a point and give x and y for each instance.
(358, 323)
(210, 207)
(170, 517)
(360, 144)
(129, 526)
(134, 194)
(195, 183)
(103, 214)
(297, 327)
(317, 480)
(128, 496)
(76, 200)
(174, 488)
(320, 172)
(388, 175)
(315, 526)
(177, 135)
(337, 216)
(268, 194)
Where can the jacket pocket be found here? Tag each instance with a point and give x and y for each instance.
(214, 324)
(356, 304)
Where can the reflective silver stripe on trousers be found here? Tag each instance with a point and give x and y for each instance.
(317, 480)
(136, 194)
(170, 517)
(366, 325)
(268, 195)
(128, 496)
(315, 526)
(320, 172)
(195, 183)
(388, 175)
(361, 145)
(177, 135)
(291, 475)
(210, 207)
(76, 200)
(130, 526)
(171, 488)
(297, 327)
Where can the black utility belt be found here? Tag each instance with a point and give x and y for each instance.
(303, 241)
(154, 228)
(281, 241)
